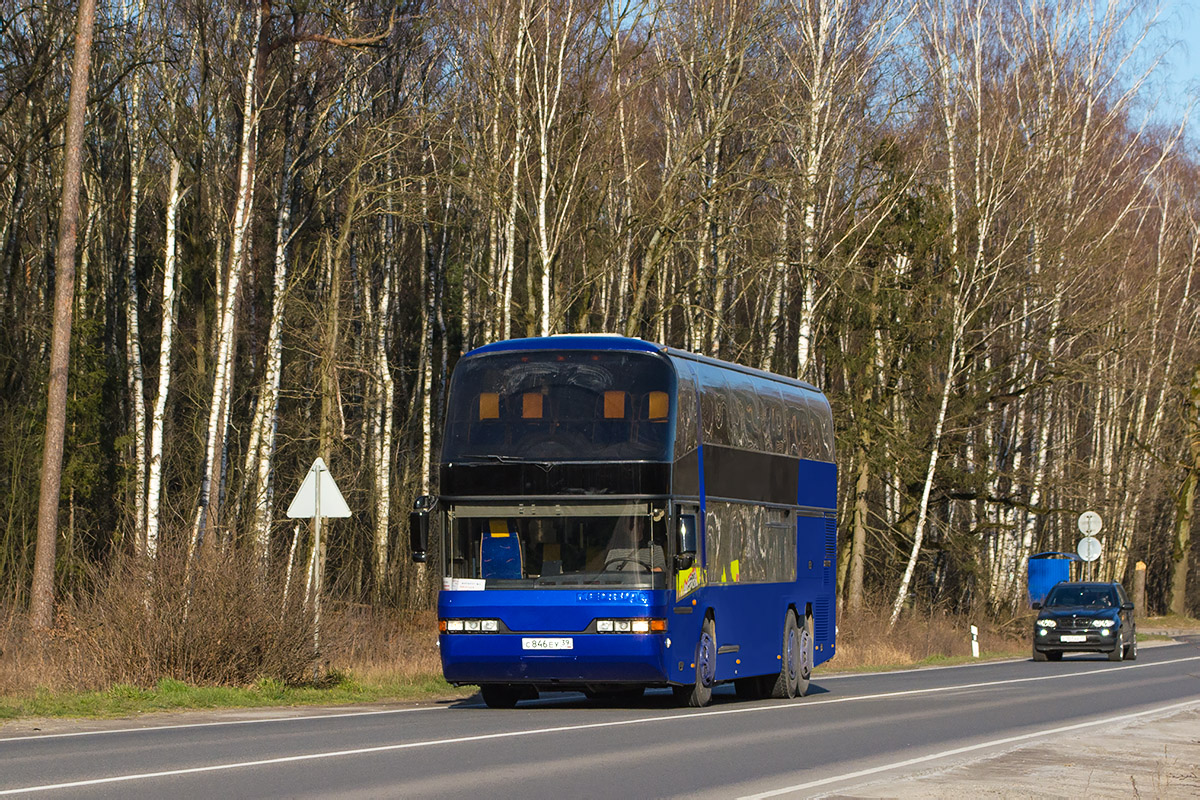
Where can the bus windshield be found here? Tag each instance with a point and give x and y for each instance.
(557, 546)
(560, 406)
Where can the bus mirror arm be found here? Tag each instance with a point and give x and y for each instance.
(418, 527)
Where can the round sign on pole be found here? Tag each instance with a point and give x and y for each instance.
(1090, 523)
(1089, 548)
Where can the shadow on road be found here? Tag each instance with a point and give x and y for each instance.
(653, 699)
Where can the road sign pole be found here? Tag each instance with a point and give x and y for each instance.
(318, 485)
(318, 568)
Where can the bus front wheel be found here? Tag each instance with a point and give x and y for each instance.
(500, 696)
(786, 683)
(699, 694)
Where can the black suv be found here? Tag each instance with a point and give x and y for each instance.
(1085, 617)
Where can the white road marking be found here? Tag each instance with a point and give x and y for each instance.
(569, 729)
(862, 773)
(155, 728)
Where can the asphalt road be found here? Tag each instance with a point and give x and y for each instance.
(850, 730)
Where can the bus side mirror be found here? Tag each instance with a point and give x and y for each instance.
(418, 528)
(686, 544)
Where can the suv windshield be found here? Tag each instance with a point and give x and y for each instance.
(557, 545)
(1082, 596)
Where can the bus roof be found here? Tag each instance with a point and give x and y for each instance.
(610, 341)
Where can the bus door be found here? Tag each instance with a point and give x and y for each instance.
(688, 566)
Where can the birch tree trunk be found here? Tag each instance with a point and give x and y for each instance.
(261, 453)
(133, 333)
(207, 510)
(384, 416)
(166, 340)
(934, 452)
(508, 262)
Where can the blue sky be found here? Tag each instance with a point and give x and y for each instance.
(1180, 23)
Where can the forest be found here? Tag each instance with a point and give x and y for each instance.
(972, 224)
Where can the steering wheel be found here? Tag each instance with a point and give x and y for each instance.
(614, 564)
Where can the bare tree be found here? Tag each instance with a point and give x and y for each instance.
(41, 607)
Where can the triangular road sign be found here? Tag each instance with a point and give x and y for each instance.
(304, 504)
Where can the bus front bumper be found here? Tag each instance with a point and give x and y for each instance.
(555, 660)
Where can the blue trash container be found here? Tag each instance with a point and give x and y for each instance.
(1047, 569)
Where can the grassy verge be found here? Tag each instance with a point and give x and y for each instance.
(1170, 622)
(171, 695)
(385, 657)
(835, 666)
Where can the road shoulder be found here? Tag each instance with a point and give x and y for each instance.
(1158, 756)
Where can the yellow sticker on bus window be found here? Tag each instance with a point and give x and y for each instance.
(659, 405)
(531, 405)
(688, 581)
(614, 405)
(489, 405)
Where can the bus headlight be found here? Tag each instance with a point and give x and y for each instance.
(469, 625)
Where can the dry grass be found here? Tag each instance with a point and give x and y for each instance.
(865, 641)
(1169, 622)
(383, 645)
(217, 625)
(220, 627)
(132, 641)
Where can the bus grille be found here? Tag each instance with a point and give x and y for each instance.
(823, 621)
(830, 551)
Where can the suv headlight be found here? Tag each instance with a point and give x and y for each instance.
(1103, 623)
(1046, 623)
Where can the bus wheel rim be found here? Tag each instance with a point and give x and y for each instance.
(705, 665)
(792, 665)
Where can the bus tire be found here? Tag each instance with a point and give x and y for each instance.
(500, 695)
(807, 647)
(784, 687)
(699, 694)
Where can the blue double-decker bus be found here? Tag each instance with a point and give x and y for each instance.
(616, 515)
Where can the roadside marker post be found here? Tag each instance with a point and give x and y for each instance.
(974, 642)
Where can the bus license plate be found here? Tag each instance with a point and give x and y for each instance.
(548, 643)
(1073, 637)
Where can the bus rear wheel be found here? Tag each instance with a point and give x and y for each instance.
(807, 646)
(699, 694)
